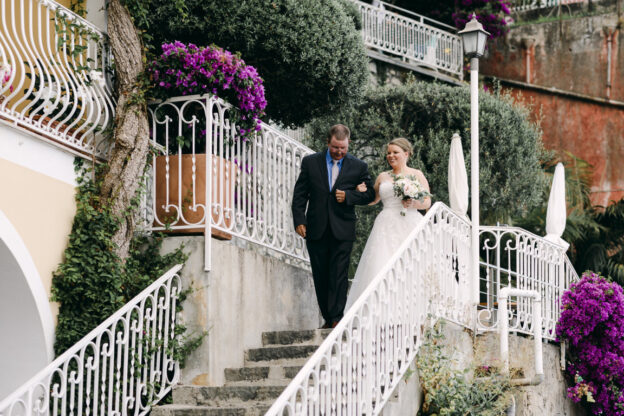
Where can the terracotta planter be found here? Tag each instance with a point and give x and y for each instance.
(225, 169)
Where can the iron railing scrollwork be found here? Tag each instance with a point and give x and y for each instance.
(360, 363)
(121, 367)
(249, 181)
(513, 257)
(55, 75)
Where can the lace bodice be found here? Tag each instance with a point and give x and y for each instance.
(386, 193)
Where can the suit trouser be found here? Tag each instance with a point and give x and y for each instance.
(329, 259)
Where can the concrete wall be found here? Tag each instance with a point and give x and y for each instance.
(250, 290)
(562, 69)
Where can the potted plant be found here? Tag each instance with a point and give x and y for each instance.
(188, 70)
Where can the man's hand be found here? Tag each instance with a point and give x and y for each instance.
(340, 196)
(301, 230)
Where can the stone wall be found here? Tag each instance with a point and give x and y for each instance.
(250, 290)
(549, 397)
(572, 72)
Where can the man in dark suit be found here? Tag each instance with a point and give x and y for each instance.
(327, 187)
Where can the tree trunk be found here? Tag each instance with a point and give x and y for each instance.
(131, 134)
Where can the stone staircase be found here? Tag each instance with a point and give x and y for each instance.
(252, 389)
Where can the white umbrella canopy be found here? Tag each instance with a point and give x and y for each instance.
(457, 177)
(556, 213)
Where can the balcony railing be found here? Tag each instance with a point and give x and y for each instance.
(513, 257)
(122, 367)
(250, 181)
(410, 37)
(525, 5)
(54, 73)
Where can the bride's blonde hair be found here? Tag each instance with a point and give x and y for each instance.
(403, 143)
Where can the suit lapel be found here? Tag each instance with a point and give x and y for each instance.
(322, 161)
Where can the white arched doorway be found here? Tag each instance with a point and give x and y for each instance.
(26, 324)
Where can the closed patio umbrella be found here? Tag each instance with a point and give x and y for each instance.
(556, 213)
(457, 178)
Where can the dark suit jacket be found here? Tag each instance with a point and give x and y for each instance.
(312, 189)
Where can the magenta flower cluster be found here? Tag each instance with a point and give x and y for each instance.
(592, 321)
(188, 69)
(492, 14)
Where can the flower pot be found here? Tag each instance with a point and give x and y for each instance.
(191, 207)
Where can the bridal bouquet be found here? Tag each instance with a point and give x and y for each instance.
(408, 187)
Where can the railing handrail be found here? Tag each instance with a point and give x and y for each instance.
(338, 331)
(73, 15)
(87, 339)
(521, 231)
(411, 13)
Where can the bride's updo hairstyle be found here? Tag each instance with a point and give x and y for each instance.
(403, 143)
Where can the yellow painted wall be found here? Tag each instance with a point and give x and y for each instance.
(42, 210)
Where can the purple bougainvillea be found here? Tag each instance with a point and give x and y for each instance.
(188, 69)
(592, 321)
(494, 15)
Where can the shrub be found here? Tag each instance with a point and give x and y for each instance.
(592, 321)
(308, 52)
(511, 178)
(187, 69)
(449, 391)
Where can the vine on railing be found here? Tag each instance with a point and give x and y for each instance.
(360, 363)
(121, 367)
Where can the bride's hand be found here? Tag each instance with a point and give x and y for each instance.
(361, 187)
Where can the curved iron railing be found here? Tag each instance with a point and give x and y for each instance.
(360, 363)
(53, 75)
(250, 182)
(516, 258)
(121, 367)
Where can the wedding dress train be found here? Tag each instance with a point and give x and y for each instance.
(389, 231)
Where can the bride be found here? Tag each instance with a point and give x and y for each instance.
(390, 228)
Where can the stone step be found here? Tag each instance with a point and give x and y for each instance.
(254, 374)
(280, 352)
(226, 395)
(245, 409)
(313, 336)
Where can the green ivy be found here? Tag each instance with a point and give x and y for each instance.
(92, 282)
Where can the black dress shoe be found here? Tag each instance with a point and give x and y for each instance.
(327, 325)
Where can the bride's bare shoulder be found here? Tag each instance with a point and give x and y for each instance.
(384, 176)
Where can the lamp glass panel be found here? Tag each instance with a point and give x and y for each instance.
(470, 42)
(482, 38)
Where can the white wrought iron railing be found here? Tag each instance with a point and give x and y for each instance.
(525, 5)
(412, 37)
(250, 182)
(53, 75)
(356, 369)
(121, 367)
(513, 257)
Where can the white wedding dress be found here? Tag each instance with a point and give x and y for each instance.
(388, 233)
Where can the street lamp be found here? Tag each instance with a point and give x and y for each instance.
(474, 37)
